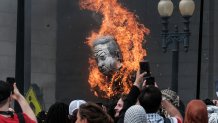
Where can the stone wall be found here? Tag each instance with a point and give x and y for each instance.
(8, 20)
(43, 50)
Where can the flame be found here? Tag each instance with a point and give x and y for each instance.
(129, 34)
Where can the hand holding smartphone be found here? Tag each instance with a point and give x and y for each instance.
(145, 67)
(11, 81)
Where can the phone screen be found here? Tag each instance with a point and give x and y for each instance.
(10, 80)
(144, 67)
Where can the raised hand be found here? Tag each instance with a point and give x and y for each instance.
(139, 79)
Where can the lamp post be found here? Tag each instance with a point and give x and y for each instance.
(165, 9)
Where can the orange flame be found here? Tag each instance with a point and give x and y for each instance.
(129, 34)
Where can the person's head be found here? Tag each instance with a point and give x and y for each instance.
(5, 92)
(208, 101)
(196, 112)
(173, 98)
(119, 106)
(92, 113)
(150, 99)
(58, 113)
(135, 114)
(107, 54)
(73, 109)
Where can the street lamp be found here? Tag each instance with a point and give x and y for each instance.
(165, 9)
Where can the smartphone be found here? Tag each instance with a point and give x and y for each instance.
(150, 81)
(144, 67)
(11, 81)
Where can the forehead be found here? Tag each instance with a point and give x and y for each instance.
(120, 101)
(101, 47)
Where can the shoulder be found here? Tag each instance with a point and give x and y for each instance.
(213, 118)
(175, 119)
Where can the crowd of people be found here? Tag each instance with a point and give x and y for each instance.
(143, 104)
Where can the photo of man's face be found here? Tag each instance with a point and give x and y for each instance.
(106, 62)
(106, 53)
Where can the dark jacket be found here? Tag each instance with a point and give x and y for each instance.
(131, 99)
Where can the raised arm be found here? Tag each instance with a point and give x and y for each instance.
(23, 104)
(132, 96)
(171, 109)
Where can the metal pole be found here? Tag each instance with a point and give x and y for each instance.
(23, 48)
(175, 70)
(175, 59)
(200, 50)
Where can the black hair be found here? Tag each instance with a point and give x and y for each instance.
(150, 99)
(208, 102)
(123, 97)
(5, 91)
(73, 117)
(58, 113)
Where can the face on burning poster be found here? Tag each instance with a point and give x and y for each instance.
(107, 54)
